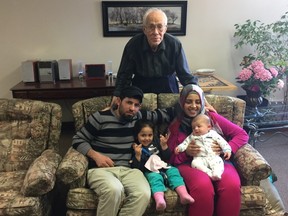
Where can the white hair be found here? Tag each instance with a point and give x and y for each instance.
(152, 10)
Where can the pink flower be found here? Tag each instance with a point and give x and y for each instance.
(257, 78)
(274, 72)
(245, 74)
(257, 64)
(280, 84)
(262, 74)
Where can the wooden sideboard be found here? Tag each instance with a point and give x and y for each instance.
(76, 89)
(72, 89)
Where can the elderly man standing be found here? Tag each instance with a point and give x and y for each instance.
(152, 59)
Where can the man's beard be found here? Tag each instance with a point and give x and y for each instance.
(125, 117)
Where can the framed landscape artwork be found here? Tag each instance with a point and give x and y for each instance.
(124, 18)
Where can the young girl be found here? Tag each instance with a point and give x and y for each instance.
(150, 156)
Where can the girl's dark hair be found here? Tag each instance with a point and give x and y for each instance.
(140, 124)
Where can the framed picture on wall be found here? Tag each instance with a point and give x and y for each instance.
(124, 18)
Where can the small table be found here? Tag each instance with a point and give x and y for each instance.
(272, 117)
(214, 83)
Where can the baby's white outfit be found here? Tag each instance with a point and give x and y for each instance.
(207, 160)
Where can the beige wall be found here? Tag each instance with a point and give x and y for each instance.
(55, 29)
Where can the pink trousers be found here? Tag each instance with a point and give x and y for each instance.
(218, 198)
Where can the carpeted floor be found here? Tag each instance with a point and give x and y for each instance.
(275, 150)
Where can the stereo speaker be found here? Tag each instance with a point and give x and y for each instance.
(48, 71)
(65, 69)
(29, 71)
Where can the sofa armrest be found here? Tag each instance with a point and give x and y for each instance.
(40, 177)
(251, 165)
(73, 169)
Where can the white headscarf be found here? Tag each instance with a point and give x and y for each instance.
(188, 89)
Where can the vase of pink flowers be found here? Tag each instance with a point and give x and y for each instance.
(256, 77)
(254, 99)
(259, 81)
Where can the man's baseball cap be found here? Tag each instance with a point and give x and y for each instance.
(132, 92)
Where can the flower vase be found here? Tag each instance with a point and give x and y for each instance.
(254, 99)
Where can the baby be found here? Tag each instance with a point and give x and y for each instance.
(204, 137)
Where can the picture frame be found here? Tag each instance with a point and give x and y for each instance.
(124, 18)
(95, 71)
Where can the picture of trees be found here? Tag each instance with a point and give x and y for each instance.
(124, 19)
(130, 18)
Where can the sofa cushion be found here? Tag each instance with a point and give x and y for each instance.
(149, 101)
(83, 109)
(27, 128)
(13, 154)
(230, 107)
(24, 130)
(40, 177)
(83, 199)
(11, 180)
(166, 100)
(223, 105)
(252, 196)
(251, 169)
(87, 107)
(14, 203)
(73, 168)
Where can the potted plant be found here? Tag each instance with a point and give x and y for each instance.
(269, 43)
(258, 80)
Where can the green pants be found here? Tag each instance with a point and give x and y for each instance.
(156, 180)
(113, 185)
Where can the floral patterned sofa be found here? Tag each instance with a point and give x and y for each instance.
(29, 135)
(251, 165)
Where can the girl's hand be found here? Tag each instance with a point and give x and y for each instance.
(163, 141)
(138, 151)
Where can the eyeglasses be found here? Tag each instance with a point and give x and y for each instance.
(159, 27)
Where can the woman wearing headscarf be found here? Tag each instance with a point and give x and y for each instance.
(220, 198)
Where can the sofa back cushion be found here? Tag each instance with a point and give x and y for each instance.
(81, 110)
(27, 128)
(230, 107)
